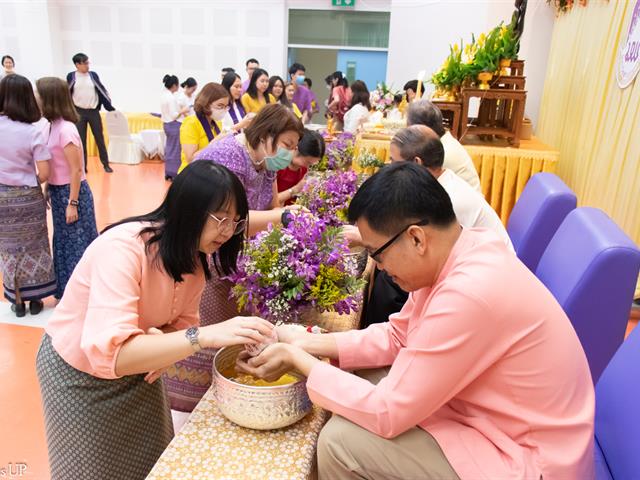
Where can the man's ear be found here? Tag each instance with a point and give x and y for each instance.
(418, 160)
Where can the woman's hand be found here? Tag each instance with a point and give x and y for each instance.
(71, 214)
(271, 364)
(291, 334)
(236, 331)
(154, 375)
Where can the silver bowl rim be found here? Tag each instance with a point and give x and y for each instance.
(219, 376)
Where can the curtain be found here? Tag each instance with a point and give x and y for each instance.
(594, 123)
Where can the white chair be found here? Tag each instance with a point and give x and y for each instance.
(123, 146)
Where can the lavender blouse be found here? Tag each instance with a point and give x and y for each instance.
(232, 154)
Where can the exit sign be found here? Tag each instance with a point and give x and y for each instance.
(343, 3)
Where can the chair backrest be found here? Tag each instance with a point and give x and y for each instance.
(617, 423)
(537, 214)
(117, 125)
(591, 267)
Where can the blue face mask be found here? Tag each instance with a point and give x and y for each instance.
(300, 79)
(282, 159)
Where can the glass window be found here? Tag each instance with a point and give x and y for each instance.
(338, 28)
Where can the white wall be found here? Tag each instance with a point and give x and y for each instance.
(422, 30)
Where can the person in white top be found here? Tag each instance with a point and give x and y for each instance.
(8, 65)
(421, 144)
(187, 96)
(456, 158)
(89, 94)
(172, 115)
(358, 114)
(236, 119)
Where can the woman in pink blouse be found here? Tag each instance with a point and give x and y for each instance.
(129, 311)
(484, 376)
(74, 219)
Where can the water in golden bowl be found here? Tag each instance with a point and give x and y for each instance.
(255, 403)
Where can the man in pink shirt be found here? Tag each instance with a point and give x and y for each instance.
(487, 378)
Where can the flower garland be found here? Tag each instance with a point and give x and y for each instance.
(328, 196)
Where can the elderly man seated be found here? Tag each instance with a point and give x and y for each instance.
(420, 144)
(486, 378)
(456, 158)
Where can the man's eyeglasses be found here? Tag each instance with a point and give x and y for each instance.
(375, 255)
(225, 224)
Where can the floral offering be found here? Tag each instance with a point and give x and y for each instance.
(369, 160)
(382, 98)
(285, 271)
(338, 155)
(328, 196)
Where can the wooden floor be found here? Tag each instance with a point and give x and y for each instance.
(128, 191)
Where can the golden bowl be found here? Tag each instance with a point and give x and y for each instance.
(259, 408)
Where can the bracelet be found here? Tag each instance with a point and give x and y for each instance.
(74, 203)
(285, 218)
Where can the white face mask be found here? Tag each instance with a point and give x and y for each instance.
(218, 113)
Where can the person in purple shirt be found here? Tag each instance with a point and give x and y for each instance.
(302, 96)
(251, 64)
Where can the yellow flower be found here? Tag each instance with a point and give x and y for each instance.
(482, 39)
(456, 48)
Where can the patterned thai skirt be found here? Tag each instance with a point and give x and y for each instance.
(188, 380)
(97, 428)
(70, 240)
(25, 256)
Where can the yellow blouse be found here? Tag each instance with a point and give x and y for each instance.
(253, 105)
(192, 133)
(296, 110)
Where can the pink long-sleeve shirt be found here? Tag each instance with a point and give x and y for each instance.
(117, 291)
(485, 360)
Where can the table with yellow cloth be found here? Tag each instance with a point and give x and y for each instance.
(136, 121)
(503, 171)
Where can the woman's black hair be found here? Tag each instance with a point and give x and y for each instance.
(272, 83)
(17, 100)
(177, 224)
(189, 82)
(311, 144)
(399, 194)
(252, 90)
(340, 80)
(169, 81)
(360, 94)
(228, 81)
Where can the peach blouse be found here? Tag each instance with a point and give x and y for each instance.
(117, 291)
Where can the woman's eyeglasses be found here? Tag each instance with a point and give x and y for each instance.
(226, 225)
(375, 255)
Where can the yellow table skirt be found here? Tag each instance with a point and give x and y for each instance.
(136, 121)
(503, 171)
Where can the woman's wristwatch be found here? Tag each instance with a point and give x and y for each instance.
(74, 203)
(192, 335)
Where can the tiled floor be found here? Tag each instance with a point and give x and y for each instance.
(128, 191)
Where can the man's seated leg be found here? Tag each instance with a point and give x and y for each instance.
(347, 451)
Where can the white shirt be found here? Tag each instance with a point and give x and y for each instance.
(470, 207)
(184, 101)
(458, 160)
(84, 92)
(355, 116)
(169, 108)
(227, 121)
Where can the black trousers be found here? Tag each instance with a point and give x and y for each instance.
(92, 117)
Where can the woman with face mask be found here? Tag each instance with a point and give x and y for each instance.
(266, 146)
(197, 131)
(257, 96)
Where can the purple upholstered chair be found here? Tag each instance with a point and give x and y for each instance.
(591, 267)
(617, 414)
(537, 214)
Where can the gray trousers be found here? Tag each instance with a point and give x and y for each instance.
(347, 451)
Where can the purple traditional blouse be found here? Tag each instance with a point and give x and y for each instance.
(229, 152)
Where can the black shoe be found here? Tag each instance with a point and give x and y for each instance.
(20, 309)
(108, 169)
(35, 307)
